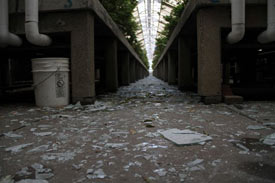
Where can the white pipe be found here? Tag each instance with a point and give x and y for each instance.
(31, 25)
(238, 21)
(6, 38)
(269, 35)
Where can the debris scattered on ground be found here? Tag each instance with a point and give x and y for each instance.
(18, 148)
(24, 172)
(115, 145)
(137, 163)
(7, 179)
(256, 127)
(42, 134)
(41, 148)
(41, 172)
(59, 156)
(271, 124)
(109, 139)
(195, 162)
(36, 170)
(185, 137)
(97, 174)
(195, 165)
(12, 135)
(149, 123)
(269, 140)
(244, 149)
(216, 162)
(145, 146)
(182, 177)
(161, 172)
(32, 181)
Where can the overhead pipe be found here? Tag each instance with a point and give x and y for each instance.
(31, 25)
(6, 38)
(269, 34)
(238, 21)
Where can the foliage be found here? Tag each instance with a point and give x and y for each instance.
(121, 12)
(163, 36)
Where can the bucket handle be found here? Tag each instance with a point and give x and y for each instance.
(57, 70)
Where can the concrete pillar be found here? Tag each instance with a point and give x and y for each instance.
(162, 70)
(125, 68)
(166, 69)
(158, 72)
(132, 71)
(111, 72)
(137, 71)
(172, 58)
(82, 61)
(209, 57)
(140, 72)
(185, 80)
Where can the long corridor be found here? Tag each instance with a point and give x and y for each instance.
(118, 139)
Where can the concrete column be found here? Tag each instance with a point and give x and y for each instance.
(125, 68)
(140, 72)
(162, 70)
(172, 58)
(132, 71)
(137, 71)
(209, 57)
(158, 71)
(166, 69)
(185, 80)
(82, 61)
(111, 70)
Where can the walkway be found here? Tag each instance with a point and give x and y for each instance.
(117, 139)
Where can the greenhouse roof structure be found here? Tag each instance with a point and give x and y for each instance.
(149, 14)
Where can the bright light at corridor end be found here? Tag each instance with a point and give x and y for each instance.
(149, 19)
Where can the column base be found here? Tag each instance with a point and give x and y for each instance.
(233, 99)
(84, 100)
(172, 83)
(211, 99)
(187, 88)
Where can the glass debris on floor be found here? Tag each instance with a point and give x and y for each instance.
(146, 132)
(185, 137)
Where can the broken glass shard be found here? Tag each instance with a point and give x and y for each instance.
(185, 137)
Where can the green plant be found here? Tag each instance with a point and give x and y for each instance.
(163, 37)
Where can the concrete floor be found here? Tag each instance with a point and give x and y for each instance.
(109, 141)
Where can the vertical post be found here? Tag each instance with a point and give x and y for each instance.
(125, 68)
(111, 73)
(163, 69)
(132, 71)
(209, 57)
(185, 80)
(82, 61)
(137, 70)
(166, 69)
(172, 58)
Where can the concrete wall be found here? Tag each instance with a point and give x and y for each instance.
(209, 24)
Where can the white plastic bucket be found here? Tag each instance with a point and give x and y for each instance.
(51, 81)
